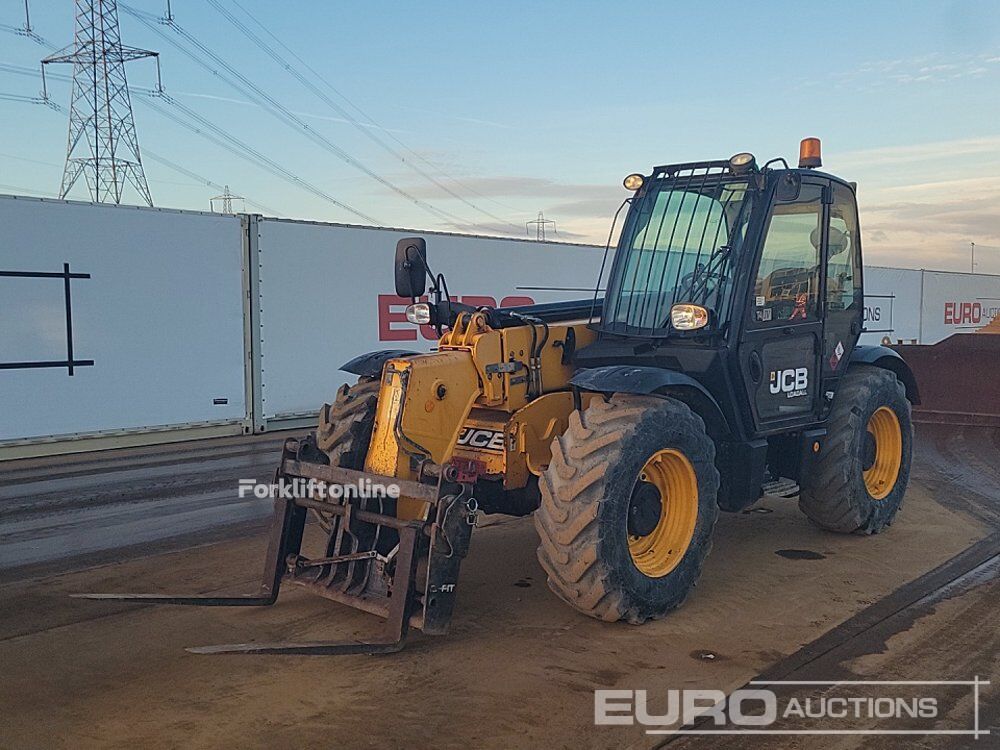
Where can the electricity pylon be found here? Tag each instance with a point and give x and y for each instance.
(227, 199)
(102, 144)
(540, 224)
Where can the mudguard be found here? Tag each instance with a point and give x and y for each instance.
(887, 359)
(370, 364)
(649, 380)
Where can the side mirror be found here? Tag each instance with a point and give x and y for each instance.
(411, 267)
(789, 185)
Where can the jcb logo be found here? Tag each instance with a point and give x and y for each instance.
(489, 440)
(792, 382)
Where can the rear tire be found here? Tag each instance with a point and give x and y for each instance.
(857, 483)
(591, 547)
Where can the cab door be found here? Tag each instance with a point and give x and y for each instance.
(783, 332)
(844, 298)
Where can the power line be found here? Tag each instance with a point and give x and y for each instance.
(149, 154)
(226, 140)
(23, 98)
(319, 76)
(290, 118)
(204, 180)
(268, 102)
(365, 130)
(23, 190)
(23, 70)
(26, 30)
(216, 135)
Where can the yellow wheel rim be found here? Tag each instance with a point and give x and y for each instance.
(881, 475)
(659, 551)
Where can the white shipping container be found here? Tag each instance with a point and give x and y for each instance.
(892, 304)
(156, 318)
(157, 336)
(327, 295)
(957, 303)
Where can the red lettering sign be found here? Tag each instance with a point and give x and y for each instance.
(392, 310)
(393, 326)
(962, 313)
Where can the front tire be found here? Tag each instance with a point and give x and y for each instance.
(628, 507)
(858, 481)
(345, 426)
(345, 429)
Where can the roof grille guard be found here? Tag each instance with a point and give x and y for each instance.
(676, 248)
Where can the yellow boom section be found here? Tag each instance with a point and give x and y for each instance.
(422, 405)
(499, 377)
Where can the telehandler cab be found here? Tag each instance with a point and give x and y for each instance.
(722, 363)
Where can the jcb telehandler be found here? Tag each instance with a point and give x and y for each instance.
(721, 363)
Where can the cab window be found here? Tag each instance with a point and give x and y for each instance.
(787, 284)
(844, 295)
(843, 278)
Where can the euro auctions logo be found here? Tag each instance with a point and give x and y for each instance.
(863, 707)
(747, 708)
(972, 313)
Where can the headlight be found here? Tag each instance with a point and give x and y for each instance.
(419, 313)
(633, 182)
(688, 317)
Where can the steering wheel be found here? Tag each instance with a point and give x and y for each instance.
(711, 279)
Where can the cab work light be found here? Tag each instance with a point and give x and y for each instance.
(688, 317)
(633, 182)
(419, 313)
(742, 163)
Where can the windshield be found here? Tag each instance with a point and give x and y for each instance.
(677, 246)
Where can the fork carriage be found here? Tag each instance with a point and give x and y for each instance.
(404, 571)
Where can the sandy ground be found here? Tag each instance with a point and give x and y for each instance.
(519, 668)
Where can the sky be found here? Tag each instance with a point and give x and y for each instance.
(476, 116)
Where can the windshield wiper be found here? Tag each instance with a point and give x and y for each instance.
(701, 276)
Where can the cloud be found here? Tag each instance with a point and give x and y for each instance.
(922, 152)
(929, 69)
(604, 205)
(962, 220)
(509, 186)
(930, 225)
(582, 211)
(921, 204)
(458, 118)
(560, 234)
(310, 115)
